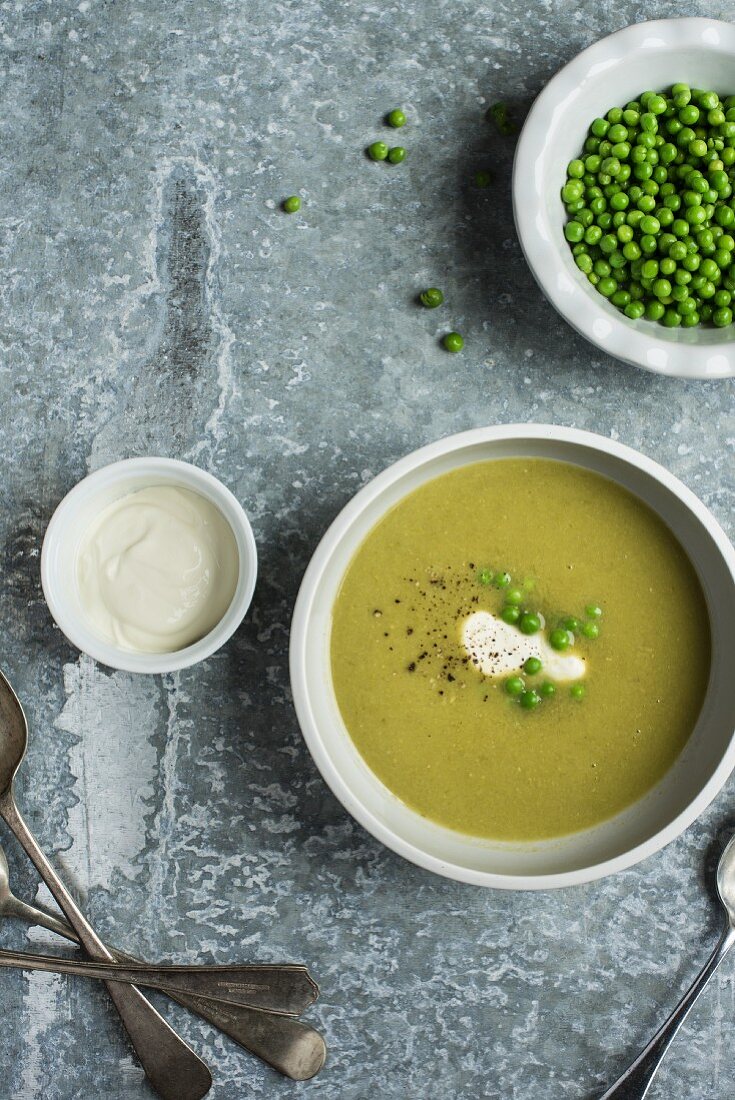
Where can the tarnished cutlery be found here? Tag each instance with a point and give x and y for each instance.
(172, 1067)
(288, 1045)
(280, 989)
(636, 1081)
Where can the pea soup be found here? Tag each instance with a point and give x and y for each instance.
(520, 649)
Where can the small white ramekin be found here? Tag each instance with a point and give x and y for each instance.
(607, 74)
(71, 519)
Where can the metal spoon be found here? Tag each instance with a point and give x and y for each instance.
(636, 1081)
(282, 990)
(172, 1067)
(289, 1046)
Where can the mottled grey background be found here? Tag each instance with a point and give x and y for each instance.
(155, 300)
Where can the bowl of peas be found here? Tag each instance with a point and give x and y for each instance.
(624, 195)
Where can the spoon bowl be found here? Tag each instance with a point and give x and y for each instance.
(726, 880)
(13, 737)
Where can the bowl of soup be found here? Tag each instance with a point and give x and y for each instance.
(511, 657)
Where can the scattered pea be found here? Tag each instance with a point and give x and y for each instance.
(591, 630)
(292, 204)
(396, 155)
(396, 118)
(498, 113)
(547, 689)
(532, 666)
(560, 639)
(577, 691)
(485, 576)
(452, 341)
(431, 297)
(377, 151)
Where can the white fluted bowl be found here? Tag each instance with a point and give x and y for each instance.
(613, 71)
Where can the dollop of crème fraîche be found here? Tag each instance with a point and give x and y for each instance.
(499, 649)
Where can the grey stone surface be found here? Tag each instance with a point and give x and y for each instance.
(156, 300)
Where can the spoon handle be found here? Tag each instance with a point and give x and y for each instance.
(291, 1047)
(284, 990)
(172, 1067)
(636, 1081)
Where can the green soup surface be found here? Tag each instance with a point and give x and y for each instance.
(450, 741)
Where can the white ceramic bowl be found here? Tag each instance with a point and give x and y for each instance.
(68, 524)
(643, 828)
(613, 71)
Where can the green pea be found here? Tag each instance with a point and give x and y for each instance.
(529, 623)
(397, 154)
(514, 595)
(377, 151)
(431, 297)
(502, 580)
(573, 231)
(514, 685)
(689, 114)
(671, 318)
(577, 691)
(572, 623)
(593, 611)
(722, 317)
(529, 700)
(510, 614)
(560, 639)
(453, 342)
(532, 666)
(708, 100)
(547, 689)
(485, 576)
(655, 310)
(590, 630)
(292, 204)
(498, 113)
(396, 118)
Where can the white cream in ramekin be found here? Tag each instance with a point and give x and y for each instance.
(77, 514)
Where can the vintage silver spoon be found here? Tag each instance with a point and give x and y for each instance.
(289, 1046)
(636, 1081)
(281, 990)
(172, 1067)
